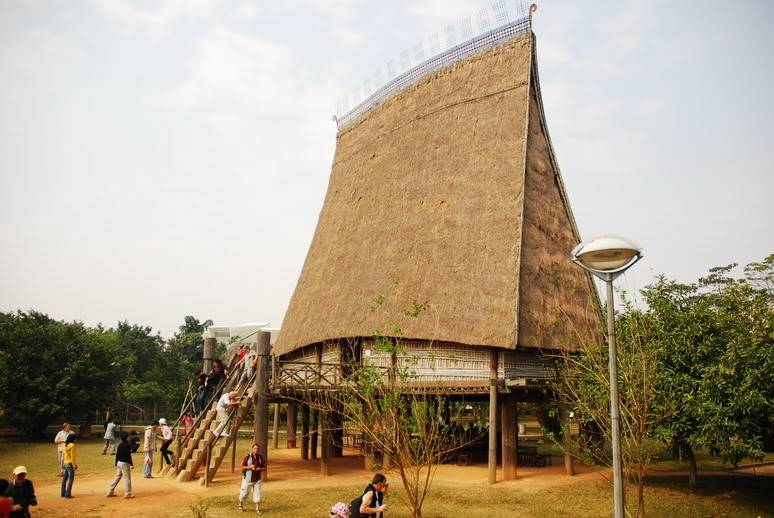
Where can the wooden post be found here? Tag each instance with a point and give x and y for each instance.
(260, 396)
(509, 433)
(305, 432)
(325, 459)
(315, 434)
(233, 450)
(569, 467)
(492, 457)
(275, 428)
(207, 462)
(291, 427)
(208, 353)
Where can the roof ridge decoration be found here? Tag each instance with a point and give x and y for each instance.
(456, 53)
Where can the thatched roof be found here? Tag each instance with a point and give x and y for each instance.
(449, 193)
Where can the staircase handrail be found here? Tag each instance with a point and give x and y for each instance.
(232, 373)
(212, 443)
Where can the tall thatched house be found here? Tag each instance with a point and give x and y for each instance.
(448, 191)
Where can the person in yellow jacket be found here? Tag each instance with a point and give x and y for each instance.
(70, 465)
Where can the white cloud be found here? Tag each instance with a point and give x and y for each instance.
(158, 18)
(237, 66)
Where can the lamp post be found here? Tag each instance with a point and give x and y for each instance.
(606, 258)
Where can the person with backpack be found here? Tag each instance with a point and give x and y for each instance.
(371, 503)
(252, 466)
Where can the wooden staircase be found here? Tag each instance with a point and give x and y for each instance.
(201, 438)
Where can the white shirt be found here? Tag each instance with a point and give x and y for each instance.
(223, 404)
(60, 439)
(110, 432)
(166, 432)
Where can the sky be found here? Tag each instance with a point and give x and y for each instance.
(168, 158)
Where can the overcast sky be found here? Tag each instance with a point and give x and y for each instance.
(168, 158)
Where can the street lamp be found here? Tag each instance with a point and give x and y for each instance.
(606, 258)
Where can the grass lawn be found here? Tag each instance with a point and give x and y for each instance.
(667, 497)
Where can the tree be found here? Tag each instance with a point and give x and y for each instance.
(717, 363)
(584, 385)
(188, 341)
(53, 369)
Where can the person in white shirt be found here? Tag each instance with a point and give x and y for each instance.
(166, 440)
(148, 447)
(110, 438)
(225, 402)
(60, 440)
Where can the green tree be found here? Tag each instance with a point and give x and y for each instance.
(717, 362)
(53, 369)
(188, 341)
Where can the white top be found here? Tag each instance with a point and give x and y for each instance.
(166, 432)
(60, 439)
(222, 403)
(110, 431)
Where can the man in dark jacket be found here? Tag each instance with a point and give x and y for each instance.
(124, 467)
(23, 493)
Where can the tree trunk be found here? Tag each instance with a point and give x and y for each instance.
(692, 469)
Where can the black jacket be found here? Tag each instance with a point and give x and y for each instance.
(124, 453)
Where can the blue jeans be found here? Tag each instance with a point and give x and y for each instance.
(67, 480)
(147, 468)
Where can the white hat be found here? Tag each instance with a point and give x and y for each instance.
(19, 469)
(162, 421)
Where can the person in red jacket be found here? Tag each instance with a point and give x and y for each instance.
(252, 466)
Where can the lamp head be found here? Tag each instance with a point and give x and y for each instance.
(606, 254)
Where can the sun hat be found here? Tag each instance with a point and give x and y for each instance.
(19, 469)
(340, 509)
(162, 421)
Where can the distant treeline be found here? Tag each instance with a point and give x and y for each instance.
(52, 370)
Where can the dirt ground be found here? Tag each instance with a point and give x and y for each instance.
(165, 496)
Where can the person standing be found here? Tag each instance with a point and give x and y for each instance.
(70, 465)
(6, 503)
(148, 447)
(252, 466)
(110, 437)
(249, 368)
(23, 493)
(188, 421)
(124, 467)
(59, 440)
(166, 440)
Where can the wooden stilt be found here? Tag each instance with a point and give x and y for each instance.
(260, 392)
(305, 432)
(325, 458)
(275, 428)
(315, 433)
(291, 427)
(492, 457)
(508, 438)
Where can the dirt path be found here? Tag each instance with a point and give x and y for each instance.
(168, 498)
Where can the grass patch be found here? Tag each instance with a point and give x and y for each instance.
(39, 456)
(733, 495)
